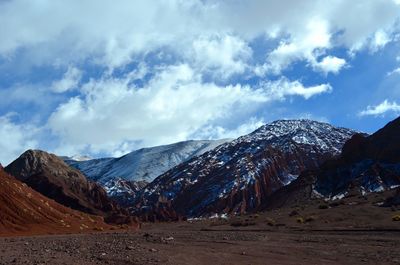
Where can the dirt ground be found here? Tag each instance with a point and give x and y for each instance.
(352, 231)
(195, 244)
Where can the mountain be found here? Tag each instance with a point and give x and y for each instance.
(142, 166)
(25, 211)
(49, 175)
(367, 164)
(123, 191)
(239, 175)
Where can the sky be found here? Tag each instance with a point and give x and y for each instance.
(102, 77)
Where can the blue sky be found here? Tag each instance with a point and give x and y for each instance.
(104, 78)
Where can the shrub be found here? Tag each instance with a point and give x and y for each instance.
(270, 221)
(335, 204)
(323, 206)
(241, 223)
(309, 219)
(293, 213)
(396, 218)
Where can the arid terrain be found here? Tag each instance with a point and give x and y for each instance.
(187, 244)
(313, 234)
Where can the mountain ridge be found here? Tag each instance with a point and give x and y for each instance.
(237, 176)
(50, 176)
(24, 211)
(130, 166)
(367, 164)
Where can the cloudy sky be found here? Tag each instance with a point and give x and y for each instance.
(103, 77)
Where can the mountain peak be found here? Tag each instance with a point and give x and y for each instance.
(237, 176)
(51, 176)
(145, 163)
(25, 211)
(279, 128)
(367, 164)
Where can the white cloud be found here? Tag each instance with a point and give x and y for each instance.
(302, 45)
(282, 88)
(380, 39)
(330, 64)
(381, 109)
(223, 55)
(69, 81)
(173, 106)
(185, 51)
(394, 72)
(115, 35)
(14, 139)
(219, 132)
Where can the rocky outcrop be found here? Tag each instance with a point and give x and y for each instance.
(49, 175)
(129, 172)
(240, 175)
(123, 191)
(23, 211)
(393, 200)
(367, 164)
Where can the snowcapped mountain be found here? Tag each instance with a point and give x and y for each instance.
(123, 191)
(237, 176)
(142, 165)
(367, 164)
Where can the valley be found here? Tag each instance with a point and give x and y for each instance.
(199, 132)
(209, 242)
(291, 192)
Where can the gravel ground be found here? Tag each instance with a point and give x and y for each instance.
(183, 243)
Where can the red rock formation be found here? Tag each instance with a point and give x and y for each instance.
(49, 175)
(23, 211)
(240, 175)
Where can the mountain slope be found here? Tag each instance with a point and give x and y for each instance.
(144, 164)
(238, 176)
(25, 211)
(49, 175)
(367, 164)
(123, 177)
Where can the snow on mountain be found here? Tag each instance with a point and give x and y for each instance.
(367, 164)
(141, 165)
(144, 164)
(123, 191)
(238, 175)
